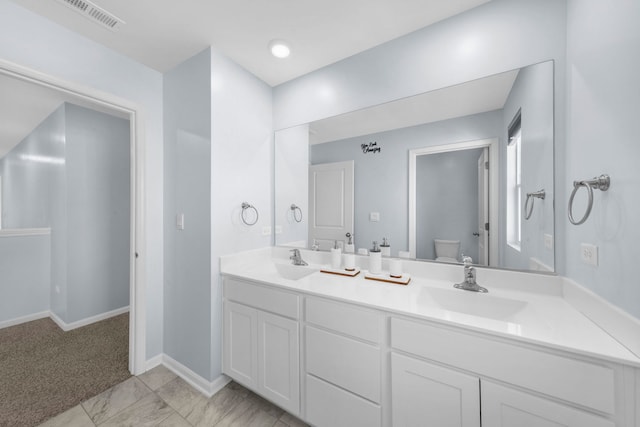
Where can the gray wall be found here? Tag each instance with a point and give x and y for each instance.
(187, 290)
(25, 269)
(603, 95)
(72, 174)
(532, 93)
(447, 201)
(382, 179)
(35, 193)
(98, 212)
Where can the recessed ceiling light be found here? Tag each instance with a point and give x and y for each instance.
(279, 48)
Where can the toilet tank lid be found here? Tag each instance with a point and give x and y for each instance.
(446, 241)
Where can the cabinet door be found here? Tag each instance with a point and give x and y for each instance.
(278, 358)
(504, 407)
(240, 340)
(428, 395)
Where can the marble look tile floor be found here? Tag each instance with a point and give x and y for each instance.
(160, 398)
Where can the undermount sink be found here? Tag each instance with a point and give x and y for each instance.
(294, 272)
(476, 304)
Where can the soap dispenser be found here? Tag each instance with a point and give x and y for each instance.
(336, 256)
(349, 248)
(385, 247)
(375, 259)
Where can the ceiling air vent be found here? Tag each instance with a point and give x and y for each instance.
(94, 13)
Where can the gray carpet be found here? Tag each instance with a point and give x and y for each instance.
(45, 371)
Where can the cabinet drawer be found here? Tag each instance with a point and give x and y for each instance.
(350, 320)
(261, 297)
(333, 407)
(503, 407)
(583, 383)
(343, 361)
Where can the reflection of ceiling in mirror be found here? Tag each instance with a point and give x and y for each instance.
(24, 105)
(477, 96)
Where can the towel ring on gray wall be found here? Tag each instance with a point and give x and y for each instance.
(296, 210)
(601, 182)
(528, 210)
(245, 207)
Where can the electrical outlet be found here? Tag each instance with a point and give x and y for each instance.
(180, 221)
(266, 230)
(374, 216)
(548, 241)
(589, 254)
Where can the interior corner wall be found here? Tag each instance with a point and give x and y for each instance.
(187, 269)
(242, 163)
(27, 39)
(603, 100)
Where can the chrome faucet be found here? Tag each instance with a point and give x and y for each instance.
(296, 258)
(315, 246)
(469, 283)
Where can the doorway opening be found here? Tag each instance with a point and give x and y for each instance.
(107, 103)
(476, 184)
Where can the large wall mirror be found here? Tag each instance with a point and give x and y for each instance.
(461, 171)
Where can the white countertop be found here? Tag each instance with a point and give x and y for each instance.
(521, 306)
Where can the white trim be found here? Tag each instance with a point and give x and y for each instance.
(87, 321)
(622, 326)
(24, 319)
(492, 144)
(153, 362)
(19, 232)
(138, 279)
(208, 388)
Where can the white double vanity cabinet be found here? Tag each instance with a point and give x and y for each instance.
(338, 351)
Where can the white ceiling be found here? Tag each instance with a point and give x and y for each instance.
(163, 33)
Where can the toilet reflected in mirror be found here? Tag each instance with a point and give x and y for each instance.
(447, 250)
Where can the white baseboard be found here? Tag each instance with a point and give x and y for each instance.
(208, 388)
(153, 362)
(24, 319)
(89, 320)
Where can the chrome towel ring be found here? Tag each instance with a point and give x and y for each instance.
(528, 210)
(601, 182)
(296, 210)
(246, 206)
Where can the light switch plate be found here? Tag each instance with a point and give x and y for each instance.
(266, 230)
(548, 241)
(374, 216)
(180, 221)
(589, 254)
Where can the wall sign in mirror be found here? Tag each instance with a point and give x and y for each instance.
(457, 165)
(371, 147)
